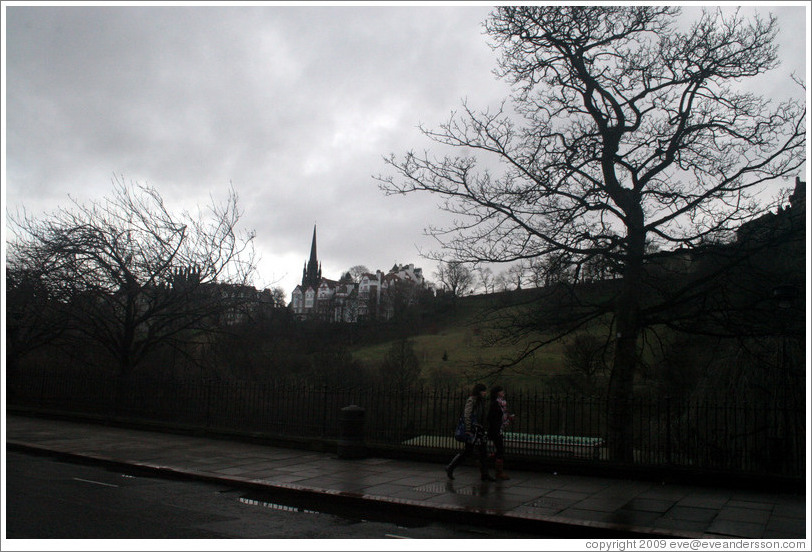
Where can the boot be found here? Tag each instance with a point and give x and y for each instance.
(449, 469)
(486, 476)
(483, 472)
(500, 470)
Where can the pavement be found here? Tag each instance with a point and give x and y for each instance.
(548, 504)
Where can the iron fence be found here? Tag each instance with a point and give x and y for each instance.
(726, 435)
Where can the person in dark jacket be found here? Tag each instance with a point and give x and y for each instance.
(498, 421)
(474, 415)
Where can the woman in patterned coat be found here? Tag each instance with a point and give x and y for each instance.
(474, 415)
(498, 421)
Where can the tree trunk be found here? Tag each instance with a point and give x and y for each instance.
(621, 380)
(621, 391)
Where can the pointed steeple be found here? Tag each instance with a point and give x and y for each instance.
(311, 275)
(313, 259)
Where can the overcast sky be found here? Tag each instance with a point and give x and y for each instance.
(293, 105)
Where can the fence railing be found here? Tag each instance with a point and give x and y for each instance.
(725, 435)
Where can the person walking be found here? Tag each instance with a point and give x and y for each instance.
(498, 420)
(474, 416)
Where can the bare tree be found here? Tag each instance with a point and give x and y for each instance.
(584, 355)
(624, 130)
(357, 271)
(278, 297)
(550, 269)
(401, 365)
(455, 277)
(33, 317)
(131, 275)
(513, 277)
(487, 280)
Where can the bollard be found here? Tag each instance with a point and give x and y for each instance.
(351, 432)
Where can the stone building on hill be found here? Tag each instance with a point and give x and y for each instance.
(786, 220)
(374, 297)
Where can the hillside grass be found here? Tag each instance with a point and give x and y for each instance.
(452, 350)
(458, 335)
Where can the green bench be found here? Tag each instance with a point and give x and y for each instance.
(566, 445)
(529, 443)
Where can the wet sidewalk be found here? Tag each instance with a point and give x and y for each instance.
(561, 505)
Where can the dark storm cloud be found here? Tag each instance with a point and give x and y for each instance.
(294, 105)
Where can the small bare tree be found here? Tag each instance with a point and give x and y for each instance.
(550, 269)
(455, 278)
(34, 318)
(278, 297)
(487, 281)
(401, 366)
(585, 357)
(131, 275)
(513, 277)
(357, 272)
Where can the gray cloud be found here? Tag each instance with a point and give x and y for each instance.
(293, 105)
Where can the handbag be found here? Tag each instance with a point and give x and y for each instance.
(462, 437)
(459, 432)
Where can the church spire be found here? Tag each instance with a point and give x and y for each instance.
(311, 276)
(313, 248)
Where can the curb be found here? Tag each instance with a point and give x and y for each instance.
(549, 526)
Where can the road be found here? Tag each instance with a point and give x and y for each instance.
(50, 498)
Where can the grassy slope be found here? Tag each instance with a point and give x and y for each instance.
(459, 336)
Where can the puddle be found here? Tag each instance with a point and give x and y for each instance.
(438, 488)
(274, 506)
(350, 514)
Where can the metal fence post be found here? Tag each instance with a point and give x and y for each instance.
(208, 394)
(668, 430)
(324, 410)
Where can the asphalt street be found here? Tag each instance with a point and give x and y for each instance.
(52, 499)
